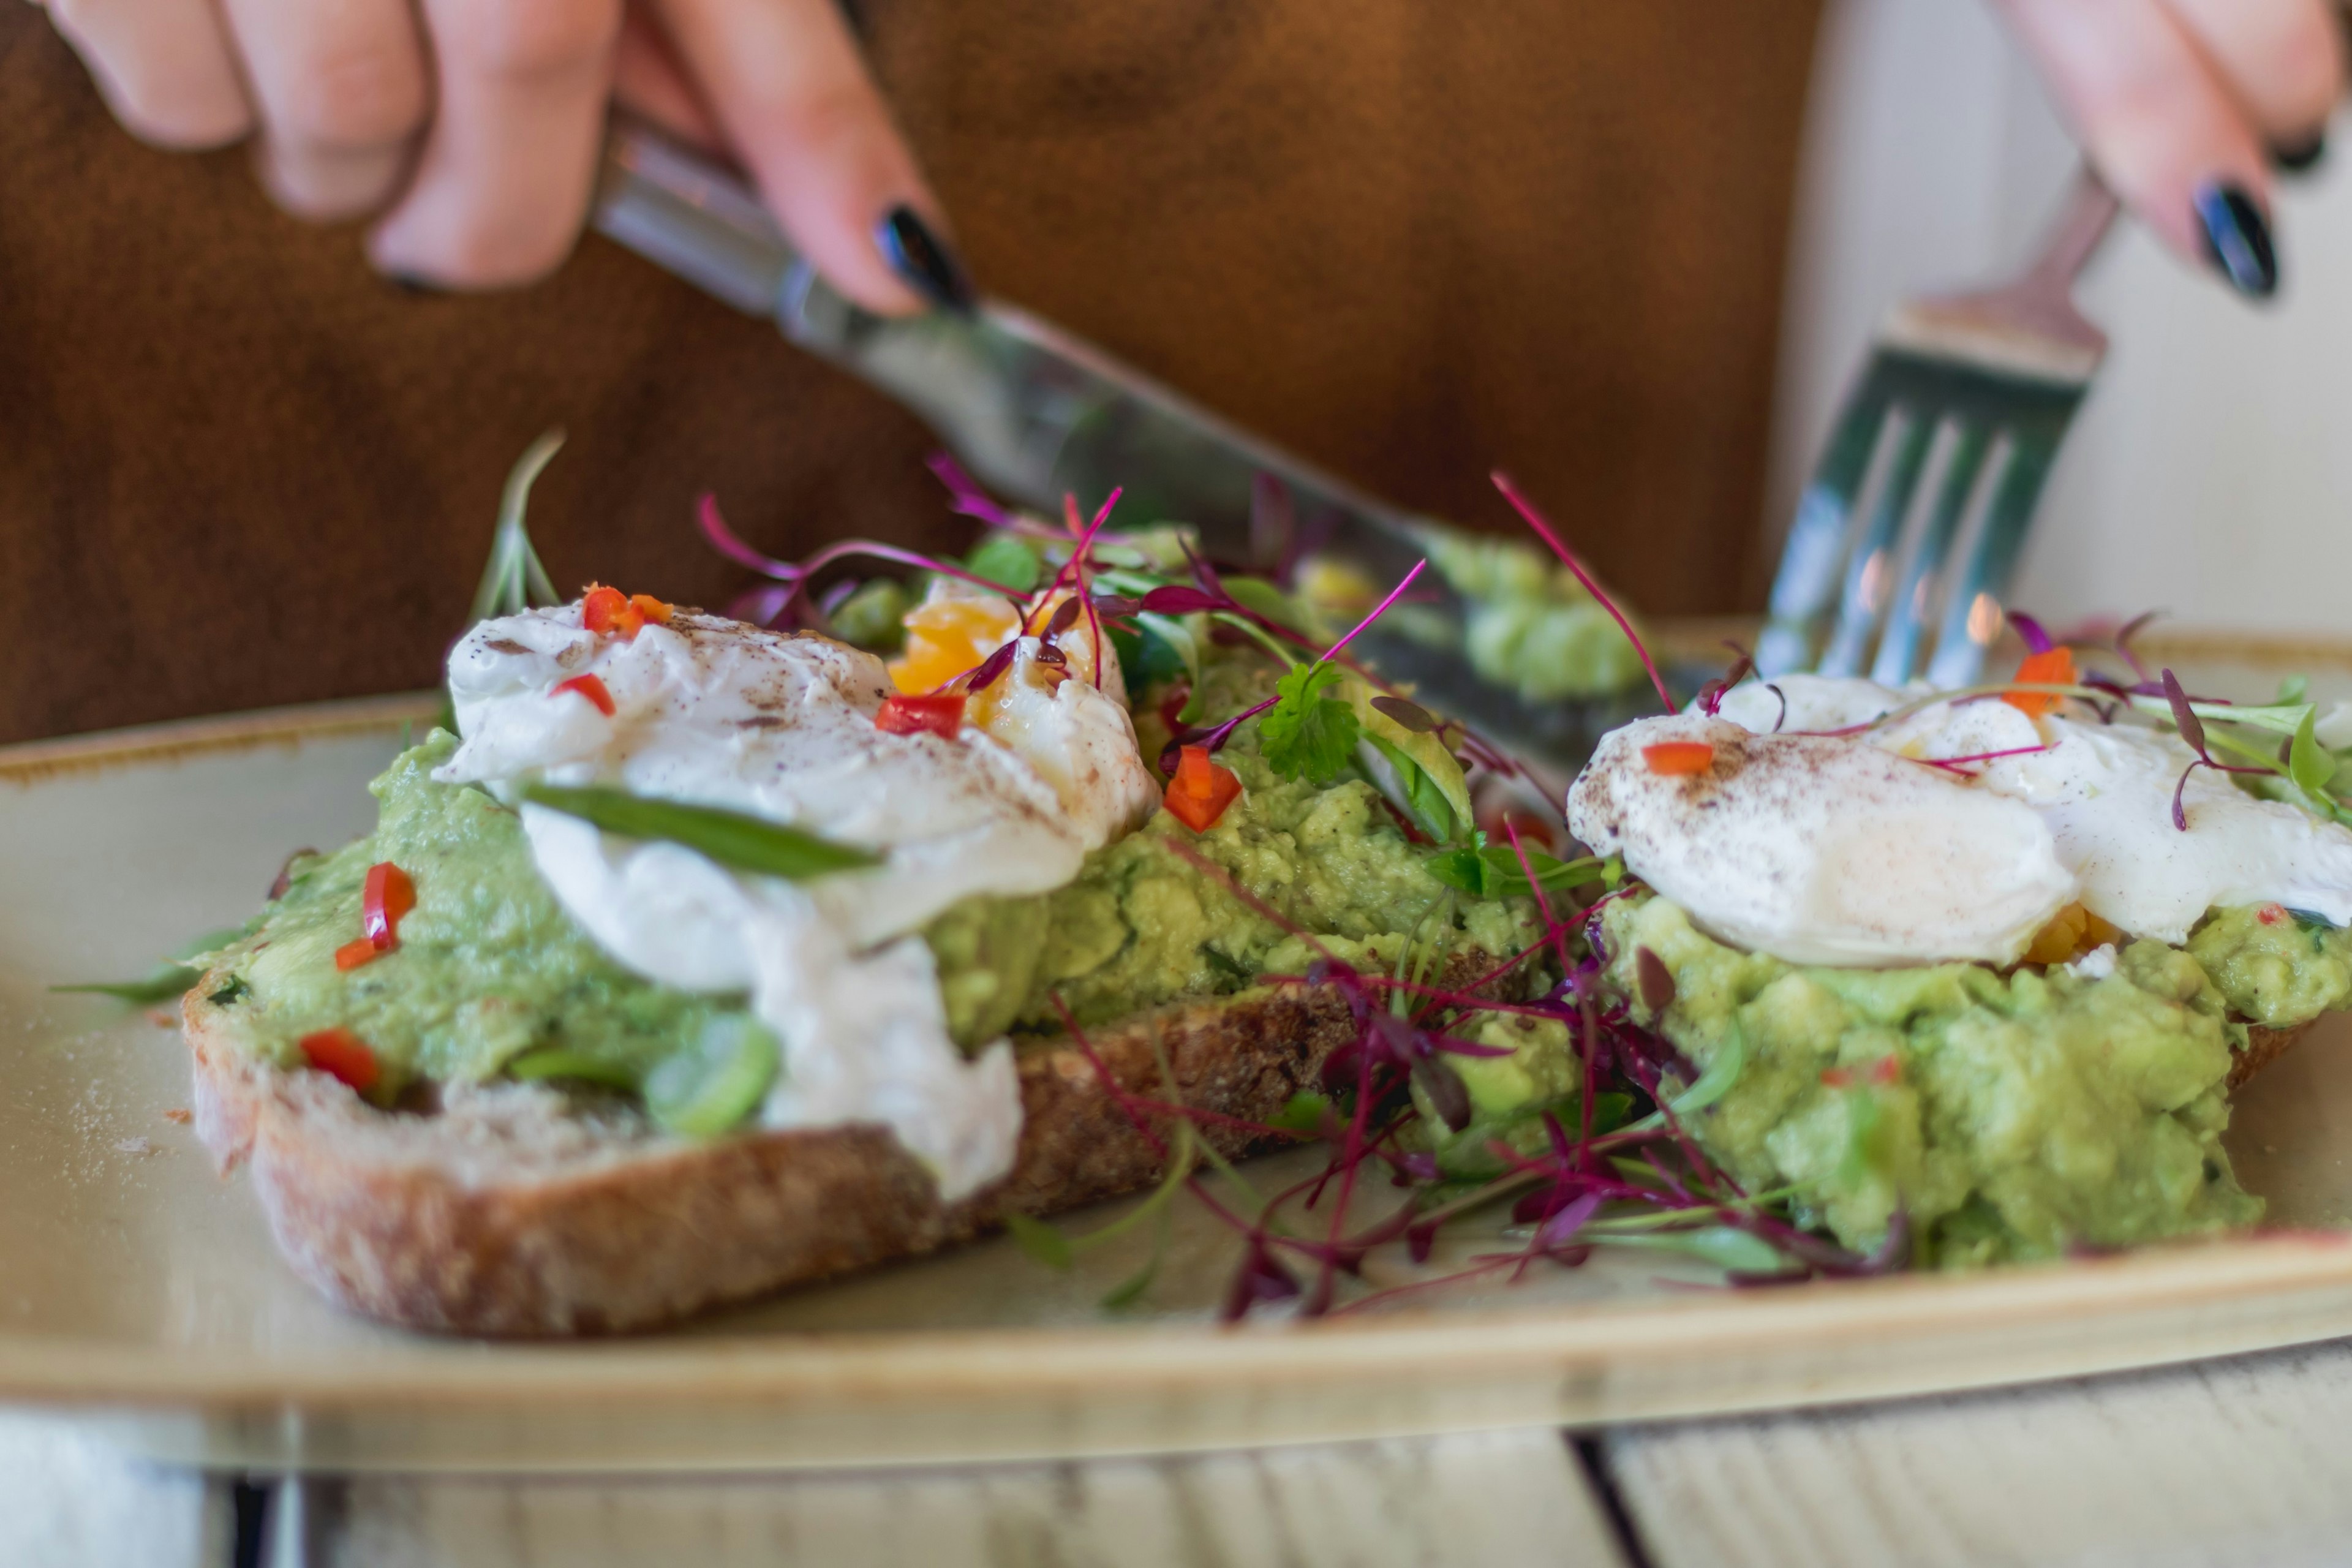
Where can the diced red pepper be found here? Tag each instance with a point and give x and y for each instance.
(344, 1056)
(1197, 796)
(1836, 1078)
(351, 954)
(1886, 1070)
(2271, 914)
(608, 612)
(1678, 757)
(591, 688)
(2053, 666)
(385, 897)
(940, 713)
(653, 609)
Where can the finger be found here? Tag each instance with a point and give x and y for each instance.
(787, 84)
(502, 182)
(2283, 58)
(648, 80)
(2161, 127)
(342, 89)
(162, 66)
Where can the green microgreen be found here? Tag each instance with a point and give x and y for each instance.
(514, 581)
(731, 837)
(1309, 734)
(171, 976)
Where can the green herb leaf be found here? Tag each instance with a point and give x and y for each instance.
(1262, 597)
(1409, 786)
(171, 978)
(1169, 646)
(731, 837)
(1729, 1248)
(2313, 921)
(1006, 559)
(714, 1082)
(557, 1061)
(2282, 718)
(1127, 1291)
(2294, 689)
(235, 990)
(1302, 1113)
(1714, 1082)
(1307, 736)
(1039, 1240)
(1486, 870)
(2309, 764)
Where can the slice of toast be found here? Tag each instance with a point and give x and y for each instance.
(2264, 1046)
(514, 1211)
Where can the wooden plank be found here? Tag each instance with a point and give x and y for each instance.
(71, 1500)
(2244, 1460)
(1516, 1497)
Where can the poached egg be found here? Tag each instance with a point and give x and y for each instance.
(1858, 849)
(782, 726)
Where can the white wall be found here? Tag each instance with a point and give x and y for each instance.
(2210, 472)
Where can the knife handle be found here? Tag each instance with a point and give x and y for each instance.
(697, 218)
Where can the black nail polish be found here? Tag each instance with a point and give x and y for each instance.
(927, 267)
(2295, 157)
(2238, 238)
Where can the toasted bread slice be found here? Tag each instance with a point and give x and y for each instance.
(514, 1211)
(2264, 1046)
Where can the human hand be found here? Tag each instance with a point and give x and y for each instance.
(470, 129)
(2185, 106)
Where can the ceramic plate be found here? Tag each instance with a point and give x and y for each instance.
(139, 1290)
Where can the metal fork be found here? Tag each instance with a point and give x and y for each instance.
(1920, 503)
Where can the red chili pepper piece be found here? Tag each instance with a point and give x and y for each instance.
(1197, 796)
(608, 612)
(344, 1056)
(1676, 757)
(385, 897)
(588, 686)
(1886, 1070)
(941, 713)
(1836, 1078)
(653, 609)
(353, 953)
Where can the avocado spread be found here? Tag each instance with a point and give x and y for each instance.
(488, 967)
(2008, 1115)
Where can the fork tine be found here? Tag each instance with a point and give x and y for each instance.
(1873, 561)
(1808, 578)
(1972, 611)
(1899, 645)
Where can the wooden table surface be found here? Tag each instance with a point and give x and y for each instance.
(2229, 1462)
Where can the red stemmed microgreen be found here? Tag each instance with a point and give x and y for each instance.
(1535, 519)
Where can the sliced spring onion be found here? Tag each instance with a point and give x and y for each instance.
(514, 580)
(714, 1082)
(731, 837)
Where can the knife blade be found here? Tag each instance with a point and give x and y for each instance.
(1034, 413)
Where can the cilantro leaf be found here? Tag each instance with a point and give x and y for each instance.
(1307, 734)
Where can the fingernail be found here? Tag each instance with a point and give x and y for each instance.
(2238, 238)
(927, 266)
(2295, 157)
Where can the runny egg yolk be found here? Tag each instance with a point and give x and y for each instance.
(947, 636)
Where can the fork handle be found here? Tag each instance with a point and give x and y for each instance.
(2089, 213)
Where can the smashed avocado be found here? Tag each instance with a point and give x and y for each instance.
(2011, 1115)
(487, 967)
(2276, 966)
(1142, 926)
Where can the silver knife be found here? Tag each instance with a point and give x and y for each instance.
(1034, 413)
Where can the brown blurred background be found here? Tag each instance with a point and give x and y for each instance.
(1412, 242)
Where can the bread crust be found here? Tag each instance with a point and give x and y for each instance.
(2264, 1046)
(510, 1213)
